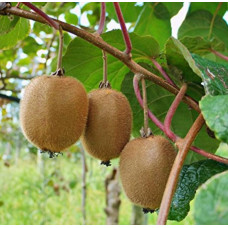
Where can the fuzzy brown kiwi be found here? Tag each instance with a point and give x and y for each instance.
(108, 125)
(145, 164)
(53, 112)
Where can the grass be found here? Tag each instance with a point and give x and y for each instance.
(30, 195)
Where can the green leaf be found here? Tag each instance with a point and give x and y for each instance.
(159, 101)
(173, 7)
(198, 24)
(7, 24)
(38, 27)
(214, 109)
(57, 8)
(39, 4)
(196, 69)
(71, 18)
(16, 31)
(178, 55)
(84, 61)
(129, 10)
(214, 75)
(30, 46)
(210, 207)
(222, 150)
(202, 46)
(154, 21)
(210, 6)
(192, 176)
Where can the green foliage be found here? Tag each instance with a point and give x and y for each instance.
(211, 202)
(198, 24)
(11, 31)
(89, 61)
(215, 113)
(191, 177)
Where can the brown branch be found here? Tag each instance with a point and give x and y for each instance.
(93, 39)
(184, 146)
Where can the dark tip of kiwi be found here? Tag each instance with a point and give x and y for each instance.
(148, 210)
(51, 153)
(107, 163)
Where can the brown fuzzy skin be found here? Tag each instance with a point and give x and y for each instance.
(53, 112)
(145, 164)
(109, 123)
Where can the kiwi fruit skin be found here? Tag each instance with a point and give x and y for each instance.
(53, 112)
(109, 124)
(145, 164)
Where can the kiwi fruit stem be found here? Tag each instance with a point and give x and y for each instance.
(60, 71)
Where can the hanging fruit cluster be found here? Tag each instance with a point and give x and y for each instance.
(56, 111)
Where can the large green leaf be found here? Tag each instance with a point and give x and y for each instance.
(214, 75)
(129, 10)
(154, 21)
(178, 55)
(202, 46)
(198, 24)
(159, 101)
(12, 31)
(210, 206)
(84, 61)
(209, 6)
(192, 176)
(214, 109)
(196, 69)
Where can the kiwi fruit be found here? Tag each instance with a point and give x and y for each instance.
(145, 164)
(109, 124)
(53, 112)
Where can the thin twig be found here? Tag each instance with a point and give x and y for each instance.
(105, 71)
(213, 20)
(102, 19)
(163, 73)
(172, 110)
(220, 55)
(123, 28)
(42, 14)
(145, 107)
(209, 155)
(184, 146)
(59, 64)
(11, 98)
(136, 79)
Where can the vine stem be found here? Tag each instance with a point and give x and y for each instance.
(163, 73)
(59, 63)
(220, 55)
(136, 79)
(184, 146)
(105, 70)
(172, 110)
(123, 28)
(171, 135)
(213, 19)
(91, 38)
(145, 107)
(102, 19)
(50, 21)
